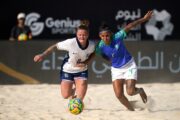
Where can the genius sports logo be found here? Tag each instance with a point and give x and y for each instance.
(35, 26)
(167, 27)
(57, 26)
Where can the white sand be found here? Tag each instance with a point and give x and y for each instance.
(44, 102)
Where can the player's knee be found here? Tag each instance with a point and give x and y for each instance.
(65, 96)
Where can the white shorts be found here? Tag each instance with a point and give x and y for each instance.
(127, 72)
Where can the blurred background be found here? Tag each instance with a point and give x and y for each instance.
(155, 44)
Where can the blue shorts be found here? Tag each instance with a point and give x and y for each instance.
(73, 76)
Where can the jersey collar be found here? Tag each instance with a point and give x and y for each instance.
(83, 48)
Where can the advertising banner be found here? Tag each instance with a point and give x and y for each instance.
(157, 62)
(57, 19)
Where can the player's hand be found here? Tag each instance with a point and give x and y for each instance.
(148, 15)
(80, 65)
(38, 58)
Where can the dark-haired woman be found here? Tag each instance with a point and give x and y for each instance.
(74, 67)
(123, 67)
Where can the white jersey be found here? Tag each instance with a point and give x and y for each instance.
(75, 54)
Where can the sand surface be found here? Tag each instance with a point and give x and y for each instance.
(44, 102)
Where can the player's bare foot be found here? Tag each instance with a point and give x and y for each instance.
(143, 95)
(130, 107)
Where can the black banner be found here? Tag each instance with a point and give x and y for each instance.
(58, 19)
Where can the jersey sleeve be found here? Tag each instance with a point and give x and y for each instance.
(64, 45)
(120, 35)
(97, 49)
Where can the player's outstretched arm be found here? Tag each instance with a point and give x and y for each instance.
(40, 57)
(147, 16)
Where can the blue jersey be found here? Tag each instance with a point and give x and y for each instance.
(116, 52)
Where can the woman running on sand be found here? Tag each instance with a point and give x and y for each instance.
(74, 67)
(123, 66)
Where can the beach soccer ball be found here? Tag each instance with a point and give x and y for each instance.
(75, 106)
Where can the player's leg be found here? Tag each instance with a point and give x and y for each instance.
(81, 88)
(81, 84)
(119, 92)
(132, 90)
(66, 89)
(66, 85)
(118, 85)
(131, 78)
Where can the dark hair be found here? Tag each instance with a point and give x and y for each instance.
(84, 25)
(104, 27)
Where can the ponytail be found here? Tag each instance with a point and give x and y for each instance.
(84, 25)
